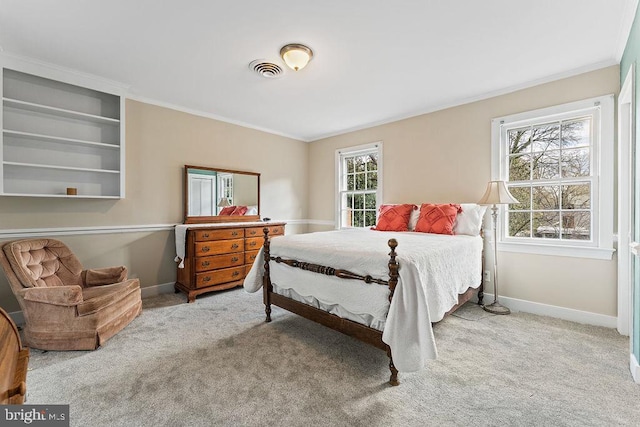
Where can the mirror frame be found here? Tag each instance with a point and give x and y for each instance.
(226, 218)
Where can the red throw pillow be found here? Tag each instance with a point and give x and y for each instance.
(394, 217)
(437, 219)
(240, 210)
(227, 210)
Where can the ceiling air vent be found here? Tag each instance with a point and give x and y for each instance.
(266, 69)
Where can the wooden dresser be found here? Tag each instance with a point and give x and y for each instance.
(13, 363)
(218, 256)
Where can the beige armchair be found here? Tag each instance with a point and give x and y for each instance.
(64, 306)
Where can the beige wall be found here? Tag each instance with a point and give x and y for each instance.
(445, 156)
(159, 141)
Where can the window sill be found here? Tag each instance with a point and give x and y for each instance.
(557, 250)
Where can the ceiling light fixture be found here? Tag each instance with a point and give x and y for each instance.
(296, 56)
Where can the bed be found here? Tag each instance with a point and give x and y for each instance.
(383, 288)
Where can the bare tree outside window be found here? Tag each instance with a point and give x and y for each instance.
(549, 173)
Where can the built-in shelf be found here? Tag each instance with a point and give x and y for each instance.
(57, 136)
(48, 138)
(58, 112)
(64, 168)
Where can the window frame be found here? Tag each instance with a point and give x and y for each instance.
(342, 153)
(601, 109)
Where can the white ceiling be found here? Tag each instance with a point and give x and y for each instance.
(375, 60)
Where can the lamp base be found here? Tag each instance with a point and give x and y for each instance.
(496, 308)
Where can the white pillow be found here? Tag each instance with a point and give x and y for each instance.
(252, 210)
(469, 221)
(413, 219)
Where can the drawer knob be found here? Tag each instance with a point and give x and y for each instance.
(205, 263)
(252, 232)
(235, 273)
(234, 246)
(252, 243)
(234, 259)
(205, 235)
(235, 233)
(206, 278)
(205, 249)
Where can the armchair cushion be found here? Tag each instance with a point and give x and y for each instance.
(98, 297)
(104, 276)
(43, 262)
(57, 295)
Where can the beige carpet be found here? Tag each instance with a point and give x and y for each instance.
(215, 362)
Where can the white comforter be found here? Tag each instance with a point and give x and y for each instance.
(434, 269)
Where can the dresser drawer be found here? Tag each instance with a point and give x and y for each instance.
(217, 247)
(274, 230)
(218, 277)
(219, 261)
(231, 233)
(250, 256)
(253, 243)
(253, 232)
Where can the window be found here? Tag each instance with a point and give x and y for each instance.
(558, 163)
(225, 188)
(359, 184)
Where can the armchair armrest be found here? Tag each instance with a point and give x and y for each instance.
(67, 296)
(104, 276)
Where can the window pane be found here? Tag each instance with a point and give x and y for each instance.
(545, 137)
(358, 218)
(349, 161)
(576, 196)
(546, 197)
(523, 195)
(360, 181)
(372, 181)
(359, 163)
(358, 201)
(350, 181)
(370, 218)
(350, 200)
(372, 162)
(519, 224)
(576, 162)
(520, 168)
(576, 133)
(546, 165)
(576, 225)
(519, 140)
(546, 225)
(370, 202)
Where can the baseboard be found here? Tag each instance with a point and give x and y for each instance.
(151, 291)
(146, 292)
(564, 313)
(635, 368)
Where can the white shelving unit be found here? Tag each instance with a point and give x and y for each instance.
(57, 135)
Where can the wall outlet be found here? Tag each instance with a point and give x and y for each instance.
(487, 276)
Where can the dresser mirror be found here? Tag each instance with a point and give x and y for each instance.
(220, 195)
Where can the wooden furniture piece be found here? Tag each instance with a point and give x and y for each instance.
(218, 256)
(13, 363)
(60, 140)
(361, 332)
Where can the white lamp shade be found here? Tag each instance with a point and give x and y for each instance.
(497, 194)
(296, 56)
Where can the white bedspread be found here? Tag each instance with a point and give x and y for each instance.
(434, 269)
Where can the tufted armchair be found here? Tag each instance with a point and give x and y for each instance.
(64, 306)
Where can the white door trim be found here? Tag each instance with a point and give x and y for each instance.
(625, 198)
